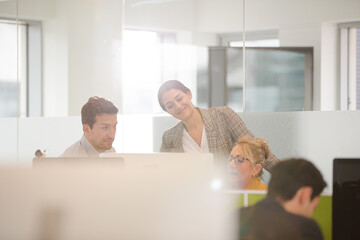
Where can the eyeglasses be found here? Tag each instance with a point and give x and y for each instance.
(238, 159)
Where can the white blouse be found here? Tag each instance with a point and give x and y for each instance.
(190, 146)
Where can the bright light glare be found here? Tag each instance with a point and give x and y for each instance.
(142, 75)
(216, 184)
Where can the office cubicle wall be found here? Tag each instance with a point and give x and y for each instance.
(110, 202)
(317, 136)
(21, 137)
(8, 140)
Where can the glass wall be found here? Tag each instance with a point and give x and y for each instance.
(8, 70)
(55, 54)
(67, 51)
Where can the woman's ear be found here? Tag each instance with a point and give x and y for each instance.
(189, 94)
(257, 169)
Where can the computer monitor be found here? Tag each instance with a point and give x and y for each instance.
(204, 161)
(77, 161)
(346, 199)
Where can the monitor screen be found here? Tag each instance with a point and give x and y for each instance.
(346, 199)
(201, 164)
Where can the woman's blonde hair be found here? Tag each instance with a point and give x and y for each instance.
(256, 148)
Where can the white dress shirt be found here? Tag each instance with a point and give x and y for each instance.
(83, 148)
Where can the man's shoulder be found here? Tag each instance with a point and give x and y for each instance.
(75, 150)
(308, 227)
(267, 217)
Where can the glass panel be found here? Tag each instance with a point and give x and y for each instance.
(13, 68)
(171, 43)
(309, 24)
(296, 134)
(8, 70)
(81, 49)
(234, 83)
(275, 79)
(9, 84)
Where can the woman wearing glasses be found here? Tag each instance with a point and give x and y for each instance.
(212, 130)
(246, 162)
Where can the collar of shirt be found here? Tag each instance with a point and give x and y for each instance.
(189, 145)
(91, 151)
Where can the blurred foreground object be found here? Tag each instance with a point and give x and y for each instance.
(110, 202)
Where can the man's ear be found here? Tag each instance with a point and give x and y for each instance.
(86, 129)
(304, 195)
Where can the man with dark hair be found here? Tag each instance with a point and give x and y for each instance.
(293, 195)
(99, 119)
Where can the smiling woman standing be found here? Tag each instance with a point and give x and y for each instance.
(212, 130)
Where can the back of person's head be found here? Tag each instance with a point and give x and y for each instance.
(288, 176)
(168, 85)
(256, 149)
(96, 106)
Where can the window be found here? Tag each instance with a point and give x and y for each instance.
(350, 66)
(149, 59)
(277, 79)
(20, 68)
(13, 69)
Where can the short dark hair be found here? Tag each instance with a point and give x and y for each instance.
(168, 85)
(96, 106)
(288, 176)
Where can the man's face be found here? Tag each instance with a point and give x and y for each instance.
(102, 134)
